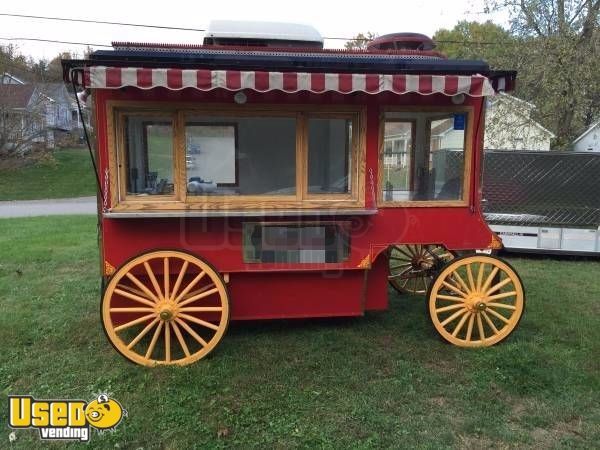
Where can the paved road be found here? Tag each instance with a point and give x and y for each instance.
(52, 207)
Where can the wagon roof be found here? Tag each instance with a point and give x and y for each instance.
(290, 60)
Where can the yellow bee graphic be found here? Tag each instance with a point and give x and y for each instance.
(104, 413)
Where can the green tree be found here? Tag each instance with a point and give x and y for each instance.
(360, 41)
(558, 58)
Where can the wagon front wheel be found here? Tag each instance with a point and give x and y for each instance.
(476, 301)
(165, 307)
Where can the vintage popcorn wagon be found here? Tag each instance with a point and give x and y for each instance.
(260, 176)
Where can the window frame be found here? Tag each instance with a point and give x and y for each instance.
(468, 155)
(120, 186)
(182, 113)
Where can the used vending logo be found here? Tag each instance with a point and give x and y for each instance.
(65, 419)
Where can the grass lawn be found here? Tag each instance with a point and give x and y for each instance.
(384, 380)
(70, 175)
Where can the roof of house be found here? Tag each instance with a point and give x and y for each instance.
(586, 132)
(56, 91)
(16, 95)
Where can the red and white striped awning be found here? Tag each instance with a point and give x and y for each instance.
(100, 77)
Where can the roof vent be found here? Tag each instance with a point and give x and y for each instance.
(262, 34)
(402, 41)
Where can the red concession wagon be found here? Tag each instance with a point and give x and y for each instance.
(260, 177)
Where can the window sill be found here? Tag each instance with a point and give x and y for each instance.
(240, 213)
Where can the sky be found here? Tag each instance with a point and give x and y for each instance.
(331, 18)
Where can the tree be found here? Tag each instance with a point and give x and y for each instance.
(360, 41)
(474, 40)
(559, 43)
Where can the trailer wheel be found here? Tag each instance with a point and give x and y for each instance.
(412, 267)
(476, 301)
(165, 307)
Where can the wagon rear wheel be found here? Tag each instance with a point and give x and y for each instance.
(164, 308)
(412, 267)
(476, 301)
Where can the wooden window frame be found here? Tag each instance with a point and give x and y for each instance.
(468, 155)
(183, 113)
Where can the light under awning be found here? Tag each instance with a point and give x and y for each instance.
(101, 77)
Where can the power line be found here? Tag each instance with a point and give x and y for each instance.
(52, 41)
(125, 24)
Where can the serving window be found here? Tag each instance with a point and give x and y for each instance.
(425, 158)
(222, 159)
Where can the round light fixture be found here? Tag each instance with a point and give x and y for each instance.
(240, 98)
(458, 99)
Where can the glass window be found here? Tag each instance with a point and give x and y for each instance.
(296, 243)
(149, 149)
(423, 156)
(241, 156)
(397, 159)
(329, 151)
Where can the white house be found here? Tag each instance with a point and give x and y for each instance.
(509, 126)
(589, 141)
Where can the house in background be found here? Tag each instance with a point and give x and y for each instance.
(7, 78)
(38, 113)
(23, 109)
(509, 126)
(589, 141)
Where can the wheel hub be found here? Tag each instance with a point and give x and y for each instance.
(166, 312)
(476, 304)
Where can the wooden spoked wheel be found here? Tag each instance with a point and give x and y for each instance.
(476, 301)
(412, 267)
(165, 307)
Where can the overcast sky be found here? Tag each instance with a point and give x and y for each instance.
(331, 18)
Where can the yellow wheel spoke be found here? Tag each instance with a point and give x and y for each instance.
(130, 310)
(498, 315)
(480, 276)
(179, 279)
(489, 279)
(470, 277)
(167, 342)
(470, 327)
(449, 308)
(184, 346)
(454, 288)
(199, 296)
(192, 333)
(199, 321)
(489, 322)
(141, 285)
(132, 290)
(498, 286)
(153, 280)
(462, 283)
(134, 322)
(480, 328)
(189, 287)
(501, 305)
(460, 324)
(454, 316)
(166, 277)
(451, 298)
(134, 297)
(142, 333)
(153, 341)
(500, 296)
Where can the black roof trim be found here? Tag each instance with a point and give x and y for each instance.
(282, 62)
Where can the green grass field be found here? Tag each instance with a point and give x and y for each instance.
(384, 380)
(69, 175)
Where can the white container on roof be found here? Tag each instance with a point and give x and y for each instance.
(235, 32)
